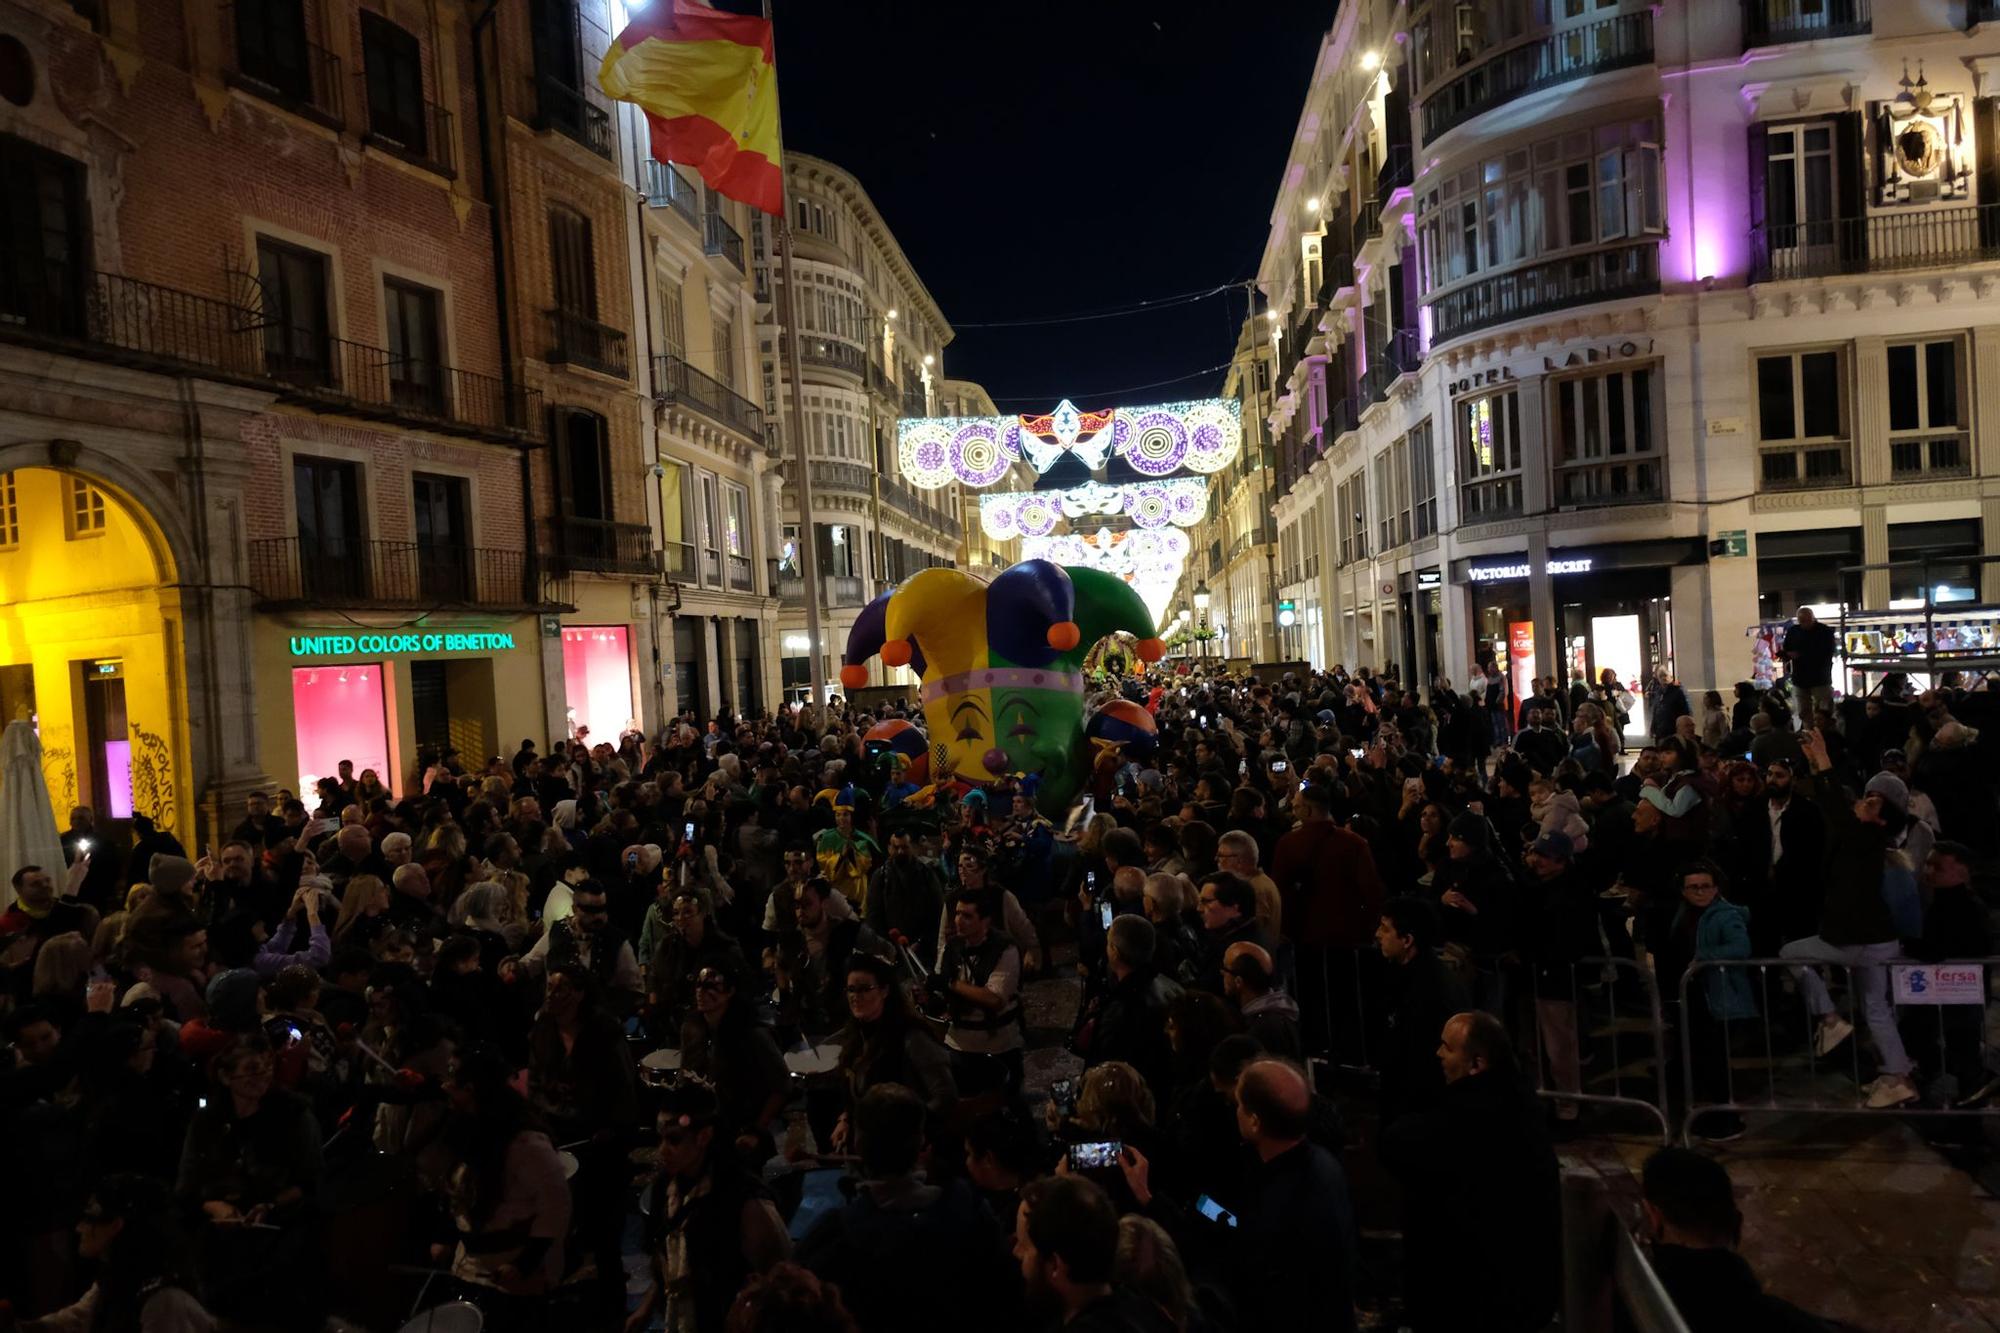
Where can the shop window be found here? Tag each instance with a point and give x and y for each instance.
(1489, 452)
(416, 345)
(597, 680)
(339, 712)
(1942, 561)
(1423, 481)
(297, 325)
(10, 513)
(1802, 436)
(1608, 446)
(1927, 435)
(392, 67)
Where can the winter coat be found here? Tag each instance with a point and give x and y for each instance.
(1723, 931)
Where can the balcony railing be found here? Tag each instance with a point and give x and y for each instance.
(600, 546)
(719, 238)
(566, 110)
(816, 351)
(1768, 22)
(675, 381)
(1945, 454)
(1399, 357)
(837, 590)
(578, 340)
(295, 74)
(1554, 284)
(1572, 53)
(121, 319)
(667, 188)
(1883, 243)
(1336, 271)
(680, 560)
(739, 573)
(916, 402)
(336, 571)
(1367, 222)
(1814, 465)
(425, 141)
(1399, 168)
(878, 380)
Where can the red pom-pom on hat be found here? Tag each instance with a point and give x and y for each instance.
(1064, 635)
(1152, 650)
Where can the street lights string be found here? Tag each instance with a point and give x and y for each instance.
(1107, 393)
(1114, 312)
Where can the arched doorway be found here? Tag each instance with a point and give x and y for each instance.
(90, 620)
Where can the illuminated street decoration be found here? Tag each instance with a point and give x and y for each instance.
(1150, 559)
(1155, 441)
(1181, 501)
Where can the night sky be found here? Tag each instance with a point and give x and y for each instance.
(1039, 159)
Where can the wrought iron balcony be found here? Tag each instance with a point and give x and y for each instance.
(1769, 22)
(1386, 364)
(566, 110)
(675, 381)
(338, 571)
(1609, 274)
(1367, 222)
(878, 380)
(666, 187)
(289, 71)
(426, 141)
(1883, 243)
(111, 317)
(1572, 53)
(578, 340)
(719, 238)
(1399, 168)
(1336, 272)
(600, 546)
(916, 401)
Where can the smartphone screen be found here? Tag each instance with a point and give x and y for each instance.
(1090, 881)
(1096, 1155)
(1104, 915)
(687, 831)
(1214, 1211)
(1356, 753)
(1279, 766)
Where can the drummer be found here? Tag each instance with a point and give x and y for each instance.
(812, 959)
(727, 1046)
(509, 1196)
(888, 1041)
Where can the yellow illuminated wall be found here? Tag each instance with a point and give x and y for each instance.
(82, 580)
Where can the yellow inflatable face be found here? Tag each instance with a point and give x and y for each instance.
(961, 730)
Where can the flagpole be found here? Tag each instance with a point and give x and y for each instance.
(802, 479)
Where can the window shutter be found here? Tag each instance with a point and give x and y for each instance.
(1851, 191)
(1986, 160)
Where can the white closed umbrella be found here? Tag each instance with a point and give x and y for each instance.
(28, 835)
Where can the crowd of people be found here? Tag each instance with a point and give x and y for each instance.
(481, 1036)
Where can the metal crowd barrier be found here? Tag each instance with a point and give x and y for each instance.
(1603, 1008)
(1951, 997)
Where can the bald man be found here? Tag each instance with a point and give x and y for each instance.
(1270, 1016)
(1294, 1267)
(1481, 1208)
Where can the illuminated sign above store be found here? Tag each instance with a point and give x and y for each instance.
(1521, 569)
(323, 645)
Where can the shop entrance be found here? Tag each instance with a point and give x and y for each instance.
(1621, 622)
(89, 648)
(430, 705)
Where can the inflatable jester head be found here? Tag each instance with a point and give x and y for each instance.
(1002, 666)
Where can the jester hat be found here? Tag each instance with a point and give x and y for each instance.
(1002, 665)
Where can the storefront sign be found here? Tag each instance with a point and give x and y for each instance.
(1520, 569)
(1590, 356)
(1479, 379)
(1429, 579)
(1942, 983)
(323, 645)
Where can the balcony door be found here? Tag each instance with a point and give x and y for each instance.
(297, 332)
(332, 560)
(1808, 198)
(444, 567)
(271, 46)
(43, 263)
(416, 370)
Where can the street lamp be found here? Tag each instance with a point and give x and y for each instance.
(1201, 609)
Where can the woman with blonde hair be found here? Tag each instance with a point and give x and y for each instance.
(62, 970)
(364, 912)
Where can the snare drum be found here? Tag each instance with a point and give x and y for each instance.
(814, 1062)
(568, 1160)
(658, 1068)
(451, 1317)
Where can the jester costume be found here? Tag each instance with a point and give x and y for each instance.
(846, 856)
(1002, 666)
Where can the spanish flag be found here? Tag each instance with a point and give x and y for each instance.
(706, 82)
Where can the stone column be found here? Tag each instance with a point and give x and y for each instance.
(1870, 430)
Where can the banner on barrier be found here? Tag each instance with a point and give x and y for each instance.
(1942, 983)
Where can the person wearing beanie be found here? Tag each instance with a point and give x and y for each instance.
(1856, 927)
